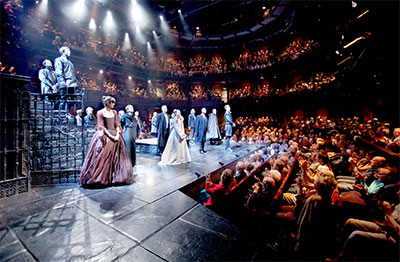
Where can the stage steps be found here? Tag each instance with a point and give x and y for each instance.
(57, 144)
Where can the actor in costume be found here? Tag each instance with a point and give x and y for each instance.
(90, 120)
(176, 151)
(139, 125)
(129, 124)
(48, 79)
(162, 129)
(201, 129)
(65, 75)
(153, 129)
(192, 123)
(229, 125)
(213, 129)
(107, 160)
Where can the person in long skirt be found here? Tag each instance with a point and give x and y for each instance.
(176, 150)
(213, 133)
(107, 159)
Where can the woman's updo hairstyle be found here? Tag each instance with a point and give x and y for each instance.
(107, 99)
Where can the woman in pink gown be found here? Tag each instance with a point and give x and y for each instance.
(107, 160)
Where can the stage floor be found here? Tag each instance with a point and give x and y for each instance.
(148, 220)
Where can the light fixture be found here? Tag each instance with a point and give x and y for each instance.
(101, 71)
(130, 77)
(149, 81)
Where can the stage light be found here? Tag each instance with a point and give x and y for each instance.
(337, 52)
(354, 41)
(43, 8)
(101, 71)
(127, 42)
(353, 4)
(264, 8)
(149, 81)
(130, 77)
(109, 24)
(197, 28)
(78, 9)
(366, 12)
(139, 16)
(92, 25)
(37, 2)
(179, 11)
(161, 17)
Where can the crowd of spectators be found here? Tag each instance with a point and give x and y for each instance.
(199, 66)
(253, 60)
(296, 49)
(313, 84)
(340, 201)
(198, 93)
(174, 92)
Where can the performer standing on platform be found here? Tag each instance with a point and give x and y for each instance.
(213, 129)
(129, 124)
(176, 150)
(192, 123)
(66, 75)
(48, 79)
(153, 129)
(162, 129)
(201, 129)
(229, 124)
(107, 160)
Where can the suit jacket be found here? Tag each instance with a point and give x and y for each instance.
(162, 130)
(48, 79)
(192, 121)
(65, 71)
(201, 127)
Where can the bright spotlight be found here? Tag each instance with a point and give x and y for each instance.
(139, 16)
(109, 24)
(92, 25)
(78, 9)
(101, 71)
(134, 2)
(43, 8)
(154, 32)
(130, 77)
(179, 11)
(127, 42)
(161, 17)
(149, 81)
(353, 4)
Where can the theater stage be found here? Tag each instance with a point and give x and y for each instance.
(148, 220)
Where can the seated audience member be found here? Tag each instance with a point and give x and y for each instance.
(262, 195)
(240, 171)
(316, 226)
(225, 185)
(369, 240)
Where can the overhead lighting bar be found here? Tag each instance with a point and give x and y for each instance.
(341, 62)
(366, 12)
(354, 41)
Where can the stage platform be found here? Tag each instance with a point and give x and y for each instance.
(148, 220)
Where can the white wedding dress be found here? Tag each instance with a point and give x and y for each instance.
(176, 151)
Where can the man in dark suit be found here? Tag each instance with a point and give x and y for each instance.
(201, 129)
(162, 129)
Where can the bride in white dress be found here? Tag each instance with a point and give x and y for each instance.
(176, 151)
